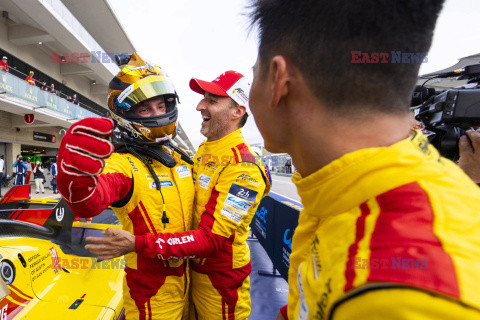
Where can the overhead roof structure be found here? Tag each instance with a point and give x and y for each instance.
(448, 83)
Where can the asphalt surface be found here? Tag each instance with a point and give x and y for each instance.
(48, 192)
(283, 185)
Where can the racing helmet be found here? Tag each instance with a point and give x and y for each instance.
(136, 82)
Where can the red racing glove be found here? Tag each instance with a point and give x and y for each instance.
(80, 158)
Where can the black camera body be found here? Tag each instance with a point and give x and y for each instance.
(455, 107)
(448, 114)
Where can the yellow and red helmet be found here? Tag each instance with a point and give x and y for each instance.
(137, 82)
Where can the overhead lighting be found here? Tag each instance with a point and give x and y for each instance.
(40, 42)
(94, 82)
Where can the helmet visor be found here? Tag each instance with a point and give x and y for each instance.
(144, 89)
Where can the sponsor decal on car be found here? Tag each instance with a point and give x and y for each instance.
(55, 259)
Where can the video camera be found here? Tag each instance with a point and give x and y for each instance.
(447, 114)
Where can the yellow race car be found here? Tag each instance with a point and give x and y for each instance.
(45, 271)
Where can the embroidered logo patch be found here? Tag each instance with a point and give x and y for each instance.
(242, 192)
(204, 180)
(183, 171)
(237, 203)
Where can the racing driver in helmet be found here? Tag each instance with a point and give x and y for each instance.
(144, 177)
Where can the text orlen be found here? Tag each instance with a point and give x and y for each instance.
(389, 57)
(181, 240)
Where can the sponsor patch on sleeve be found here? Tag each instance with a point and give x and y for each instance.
(183, 171)
(237, 203)
(242, 192)
(163, 184)
(231, 214)
(159, 176)
(247, 178)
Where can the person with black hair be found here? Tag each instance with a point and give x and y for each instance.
(39, 177)
(53, 171)
(75, 100)
(28, 173)
(390, 229)
(52, 89)
(21, 169)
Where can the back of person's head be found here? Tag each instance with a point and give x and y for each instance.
(318, 37)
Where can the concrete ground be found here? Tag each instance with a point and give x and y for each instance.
(33, 194)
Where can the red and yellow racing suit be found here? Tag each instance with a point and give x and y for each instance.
(230, 181)
(387, 233)
(153, 289)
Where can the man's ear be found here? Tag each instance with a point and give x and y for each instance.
(238, 112)
(279, 76)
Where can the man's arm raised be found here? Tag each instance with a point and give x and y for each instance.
(80, 161)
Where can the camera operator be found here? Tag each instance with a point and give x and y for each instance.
(469, 150)
(21, 167)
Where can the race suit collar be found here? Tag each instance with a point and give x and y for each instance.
(357, 176)
(230, 140)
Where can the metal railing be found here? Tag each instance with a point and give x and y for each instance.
(19, 88)
(59, 93)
